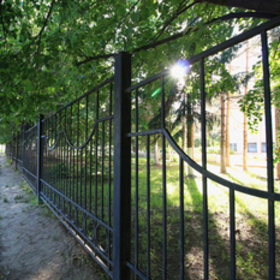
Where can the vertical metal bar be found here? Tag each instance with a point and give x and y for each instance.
(81, 177)
(81, 171)
(59, 145)
(43, 159)
(15, 154)
(90, 172)
(71, 171)
(110, 171)
(110, 157)
(162, 103)
(52, 152)
(96, 155)
(65, 156)
(86, 172)
(204, 165)
(24, 163)
(77, 156)
(122, 167)
(102, 172)
(232, 235)
(148, 207)
(65, 164)
(17, 150)
(12, 145)
(72, 164)
(55, 156)
(39, 157)
(164, 221)
(182, 243)
(49, 154)
(136, 182)
(47, 157)
(269, 151)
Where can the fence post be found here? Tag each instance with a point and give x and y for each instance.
(39, 157)
(13, 144)
(23, 146)
(17, 150)
(122, 167)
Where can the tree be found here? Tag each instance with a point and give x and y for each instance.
(245, 130)
(223, 134)
(252, 103)
(65, 48)
(228, 125)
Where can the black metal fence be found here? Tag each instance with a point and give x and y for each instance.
(91, 163)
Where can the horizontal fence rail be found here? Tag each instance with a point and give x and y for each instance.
(92, 163)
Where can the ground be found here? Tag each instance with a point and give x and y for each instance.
(33, 243)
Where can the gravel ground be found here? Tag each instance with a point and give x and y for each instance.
(34, 245)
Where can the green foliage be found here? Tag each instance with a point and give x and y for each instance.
(214, 150)
(42, 43)
(252, 104)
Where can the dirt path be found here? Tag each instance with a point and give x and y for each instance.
(34, 245)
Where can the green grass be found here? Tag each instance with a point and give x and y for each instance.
(8, 162)
(251, 220)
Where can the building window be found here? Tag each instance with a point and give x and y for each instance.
(252, 148)
(263, 147)
(233, 146)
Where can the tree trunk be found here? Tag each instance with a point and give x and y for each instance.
(156, 154)
(228, 126)
(193, 139)
(190, 145)
(277, 144)
(223, 135)
(245, 148)
(189, 134)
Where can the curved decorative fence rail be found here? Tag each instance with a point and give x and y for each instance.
(91, 164)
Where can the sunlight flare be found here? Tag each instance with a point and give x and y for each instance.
(180, 69)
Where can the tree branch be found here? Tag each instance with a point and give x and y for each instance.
(91, 58)
(185, 32)
(43, 28)
(178, 12)
(121, 23)
(46, 20)
(26, 47)
(266, 6)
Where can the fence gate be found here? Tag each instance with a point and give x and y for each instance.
(92, 163)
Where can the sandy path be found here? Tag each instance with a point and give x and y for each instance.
(33, 243)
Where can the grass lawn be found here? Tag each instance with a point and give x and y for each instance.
(251, 225)
(251, 220)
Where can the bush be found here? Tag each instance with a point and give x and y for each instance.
(214, 150)
(175, 158)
